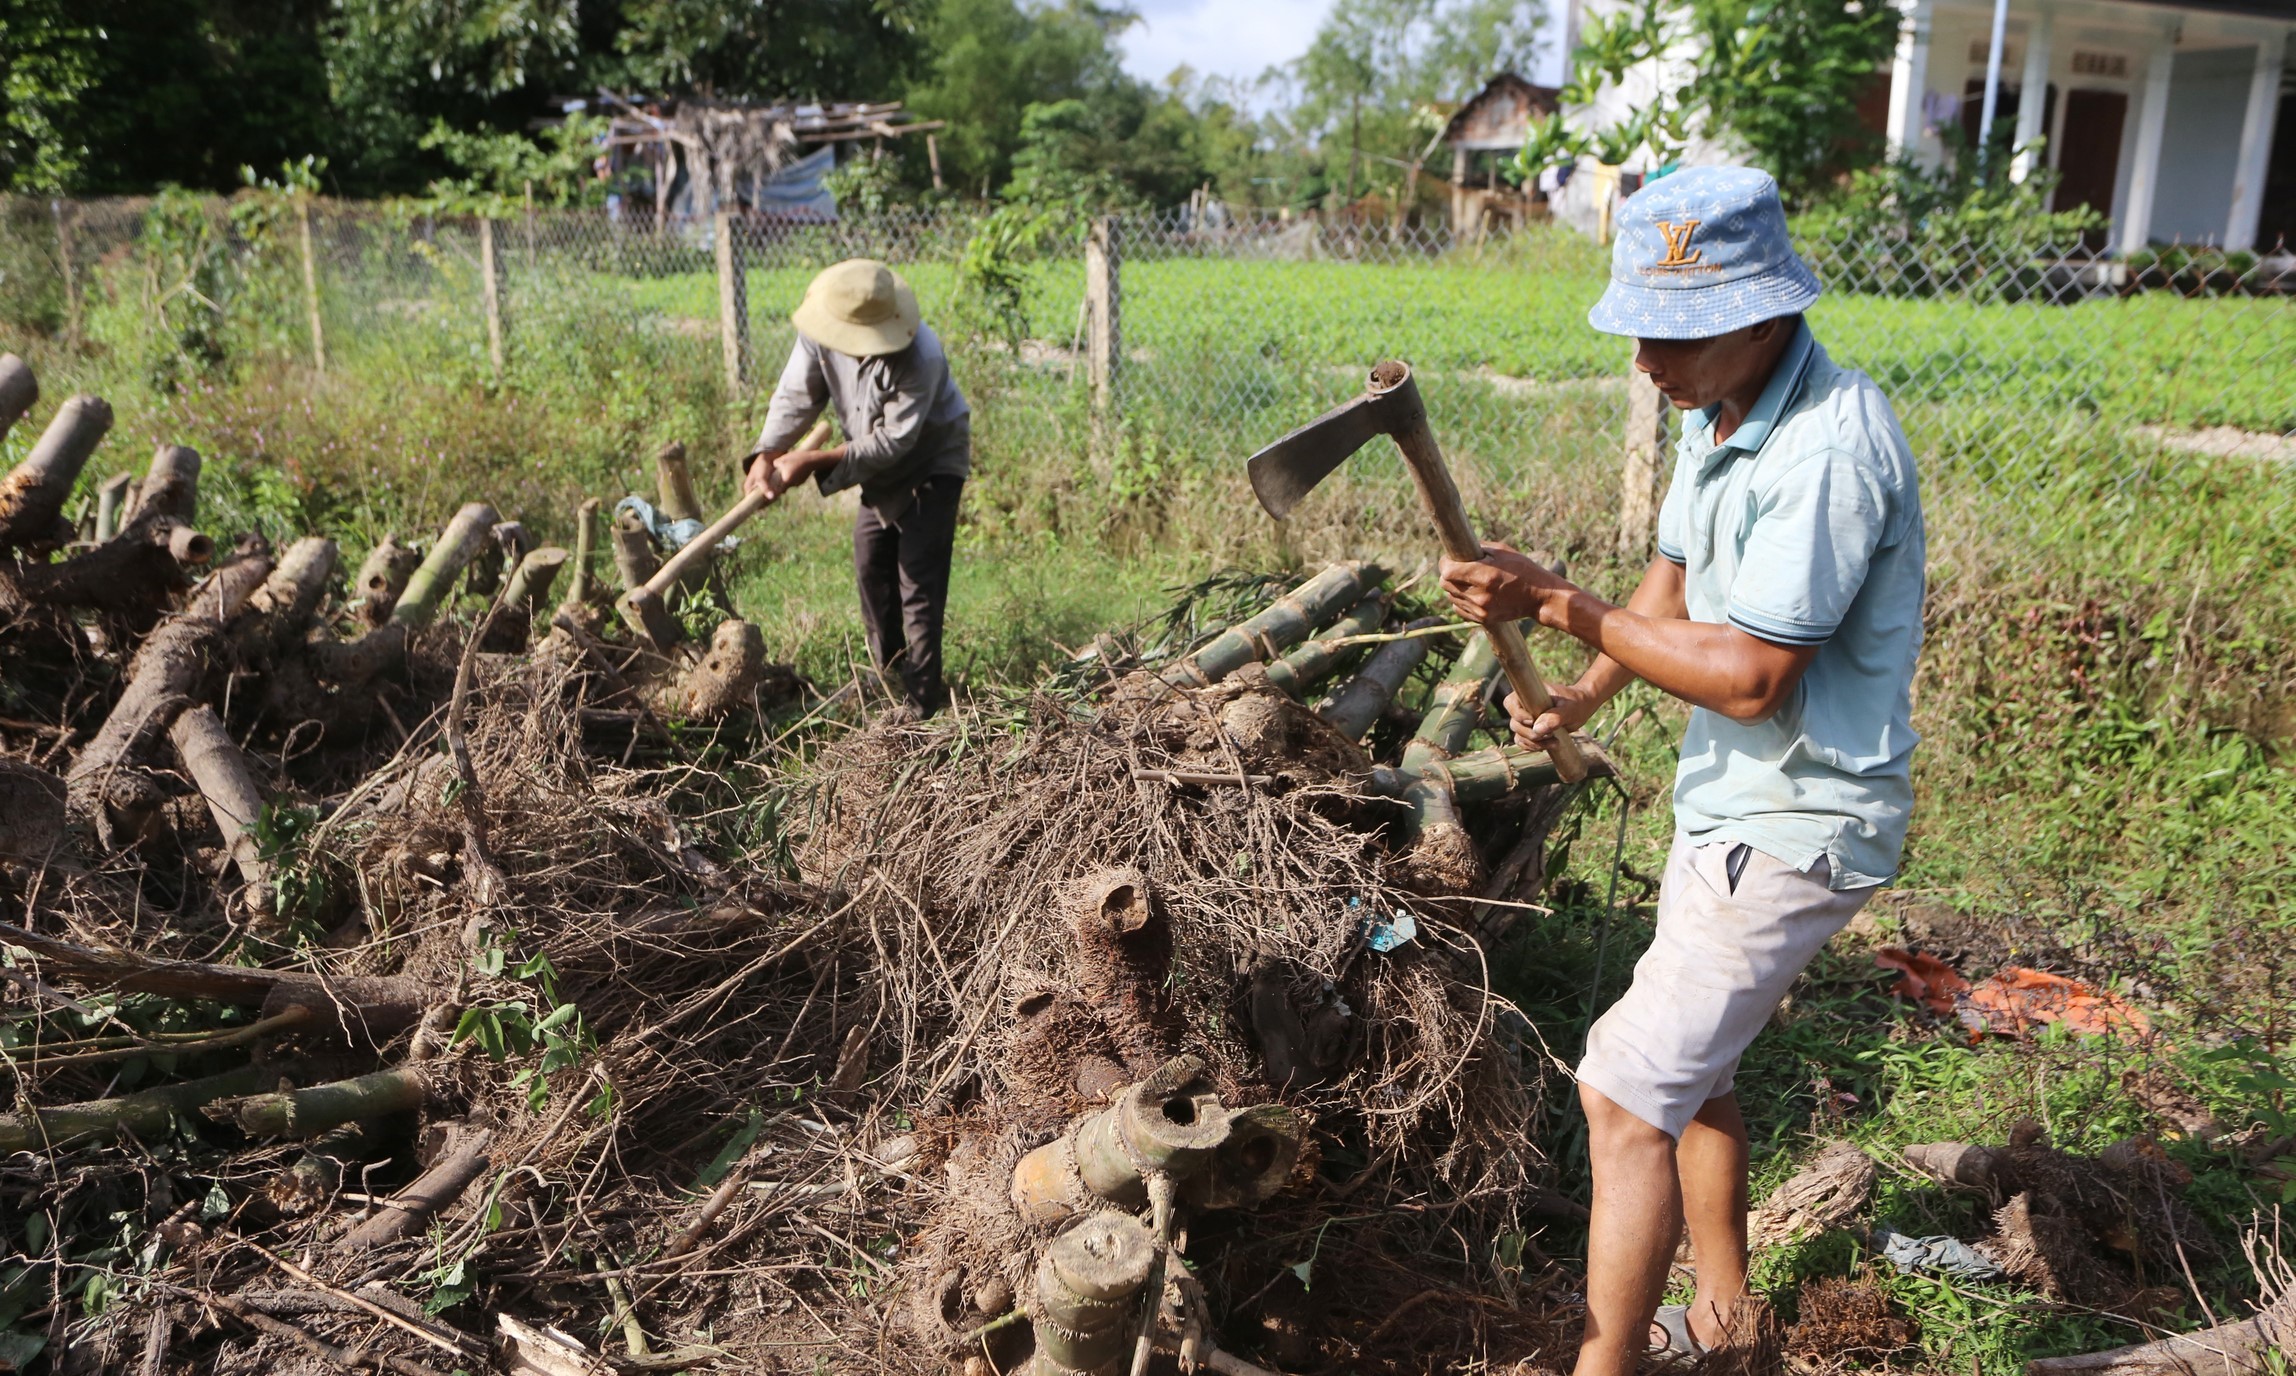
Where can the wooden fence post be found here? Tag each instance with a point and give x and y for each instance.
(490, 287)
(71, 274)
(1638, 492)
(311, 288)
(1104, 311)
(733, 303)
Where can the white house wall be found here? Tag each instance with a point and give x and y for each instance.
(2200, 149)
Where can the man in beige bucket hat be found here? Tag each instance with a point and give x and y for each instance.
(863, 348)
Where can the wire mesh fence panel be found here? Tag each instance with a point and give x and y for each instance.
(2049, 396)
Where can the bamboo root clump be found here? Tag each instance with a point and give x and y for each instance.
(439, 942)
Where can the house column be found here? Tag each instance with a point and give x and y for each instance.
(2135, 229)
(2256, 141)
(1909, 78)
(2032, 95)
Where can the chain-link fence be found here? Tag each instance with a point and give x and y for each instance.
(2046, 394)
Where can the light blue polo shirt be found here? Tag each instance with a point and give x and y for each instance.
(1804, 528)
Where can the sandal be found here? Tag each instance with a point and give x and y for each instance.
(1679, 1349)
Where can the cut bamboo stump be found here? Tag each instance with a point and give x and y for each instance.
(309, 1112)
(584, 587)
(457, 545)
(147, 1113)
(282, 608)
(138, 572)
(530, 581)
(722, 680)
(382, 578)
(19, 390)
(463, 1160)
(676, 482)
(1305, 666)
(32, 496)
(634, 556)
(220, 770)
(1356, 704)
(1293, 617)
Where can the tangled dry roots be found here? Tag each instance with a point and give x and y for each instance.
(1053, 918)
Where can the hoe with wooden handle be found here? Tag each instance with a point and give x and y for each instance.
(643, 607)
(1290, 468)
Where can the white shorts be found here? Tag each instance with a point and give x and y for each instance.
(1722, 959)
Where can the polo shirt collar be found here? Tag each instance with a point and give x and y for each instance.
(1782, 391)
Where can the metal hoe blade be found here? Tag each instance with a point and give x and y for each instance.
(1290, 468)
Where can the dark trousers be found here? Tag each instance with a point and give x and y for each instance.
(903, 571)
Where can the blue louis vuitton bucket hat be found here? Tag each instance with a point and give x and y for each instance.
(1699, 253)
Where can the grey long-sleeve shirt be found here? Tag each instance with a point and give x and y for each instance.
(904, 419)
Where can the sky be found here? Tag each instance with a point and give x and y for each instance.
(1242, 38)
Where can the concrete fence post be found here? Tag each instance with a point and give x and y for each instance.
(733, 302)
(1638, 492)
(1104, 317)
(311, 288)
(490, 294)
(71, 273)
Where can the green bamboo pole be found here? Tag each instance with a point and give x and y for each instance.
(1300, 670)
(1356, 704)
(1292, 618)
(148, 1112)
(309, 1112)
(1504, 769)
(1457, 707)
(462, 539)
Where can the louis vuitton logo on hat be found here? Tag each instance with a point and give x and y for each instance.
(1677, 240)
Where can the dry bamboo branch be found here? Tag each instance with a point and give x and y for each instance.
(368, 1008)
(219, 768)
(309, 1112)
(2233, 1349)
(462, 1161)
(146, 1112)
(164, 673)
(360, 1360)
(32, 496)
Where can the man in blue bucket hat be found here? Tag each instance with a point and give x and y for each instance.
(1785, 607)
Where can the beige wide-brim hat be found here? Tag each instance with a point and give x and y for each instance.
(859, 307)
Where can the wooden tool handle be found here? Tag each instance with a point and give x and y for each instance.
(698, 548)
(1441, 496)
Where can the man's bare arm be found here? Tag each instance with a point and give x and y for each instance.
(1718, 667)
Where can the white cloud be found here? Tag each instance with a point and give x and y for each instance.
(1219, 37)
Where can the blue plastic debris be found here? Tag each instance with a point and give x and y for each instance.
(1384, 934)
(1937, 1256)
(671, 535)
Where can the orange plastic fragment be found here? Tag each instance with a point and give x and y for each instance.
(2015, 1000)
(1927, 980)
